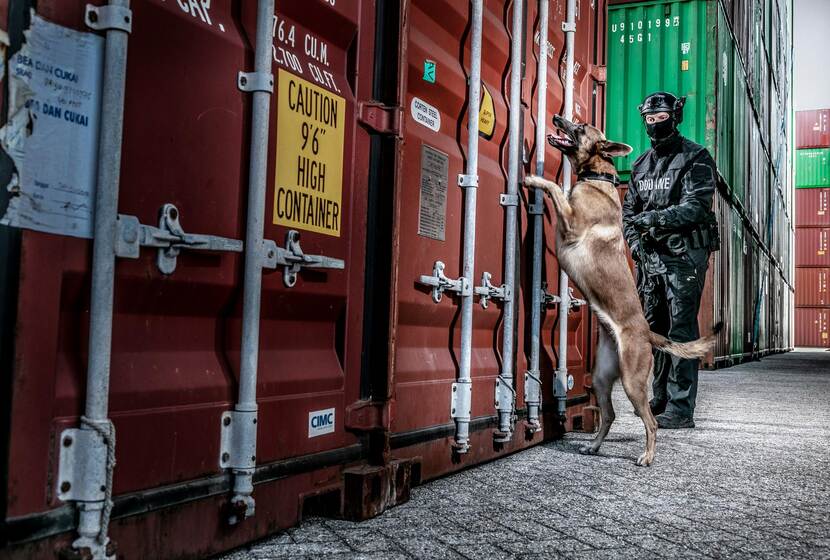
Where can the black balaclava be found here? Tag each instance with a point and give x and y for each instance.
(659, 102)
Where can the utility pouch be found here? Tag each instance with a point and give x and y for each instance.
(698, 239)
(676, 244)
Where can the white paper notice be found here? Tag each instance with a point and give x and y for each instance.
(52, 131)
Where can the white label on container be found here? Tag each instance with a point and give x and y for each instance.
(425, 114)
(320, 422)
(52, 130)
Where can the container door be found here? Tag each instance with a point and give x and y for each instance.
(175, 349)
(430, 226)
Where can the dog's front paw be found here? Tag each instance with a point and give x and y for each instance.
(536, 182)
(587, 450)
(644, 460)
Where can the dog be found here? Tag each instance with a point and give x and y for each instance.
(592, 251)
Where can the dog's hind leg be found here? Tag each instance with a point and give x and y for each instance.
(635, 368)
(606, 371)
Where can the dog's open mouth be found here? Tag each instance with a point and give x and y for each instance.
(560, 140)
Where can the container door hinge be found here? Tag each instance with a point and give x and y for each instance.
(488, 291)
(169, 238)
(574, 302)
(599, 73)
(366, 416)
(380, 118)
(293, 259)
(536, 209)
(440, 283)
(104, 18)
(237, 445)
(568, 27)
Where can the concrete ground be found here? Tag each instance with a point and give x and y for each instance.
(751, 481)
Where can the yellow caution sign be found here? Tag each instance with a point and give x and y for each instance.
(486, 114)
(310, 138)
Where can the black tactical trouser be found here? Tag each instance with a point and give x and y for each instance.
(671, 300)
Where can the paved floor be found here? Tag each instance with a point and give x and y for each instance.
(751, 481)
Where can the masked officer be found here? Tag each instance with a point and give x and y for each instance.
(670, 228)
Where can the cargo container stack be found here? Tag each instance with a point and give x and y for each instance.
(733, 62)
(812, 236)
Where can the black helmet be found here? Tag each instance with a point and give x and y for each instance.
(661, 101)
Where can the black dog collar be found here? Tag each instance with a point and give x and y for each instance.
(607, 177)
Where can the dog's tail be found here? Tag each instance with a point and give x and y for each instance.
(690, 350)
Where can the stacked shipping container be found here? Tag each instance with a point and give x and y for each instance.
(357, 365)
(732, 61)
(812, 234)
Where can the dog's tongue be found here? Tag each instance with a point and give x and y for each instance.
(562, 138)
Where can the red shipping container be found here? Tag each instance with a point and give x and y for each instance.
(811, 287)
(812, 207)
(175, 347)
(812, 246)
(812, 327)
(812, 129)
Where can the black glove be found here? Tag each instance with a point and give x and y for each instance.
(635, 252)
(645, 221)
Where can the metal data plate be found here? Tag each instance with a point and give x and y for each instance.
(432, 208)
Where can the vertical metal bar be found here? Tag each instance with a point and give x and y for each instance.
(463, 387)
(561, 387)
(505, 391)
(93, 515)
(533, 382)
(258, 169)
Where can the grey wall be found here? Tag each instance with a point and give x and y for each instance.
(811, 45)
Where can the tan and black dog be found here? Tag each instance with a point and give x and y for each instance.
(591, 250)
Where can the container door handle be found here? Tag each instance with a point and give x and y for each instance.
(169, 238)
(293, 259)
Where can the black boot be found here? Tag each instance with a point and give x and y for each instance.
(671, 422)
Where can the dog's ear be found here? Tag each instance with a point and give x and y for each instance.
(611, 149)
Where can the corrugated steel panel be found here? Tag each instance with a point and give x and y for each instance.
(812, 168)
(175, 348)
(812, 286)
(812, 207)
(742, 110)
(668, 46)
(812, 246)
(740, 140)
(812, 327)
(812, 129)
(426, 342)
(725, 146)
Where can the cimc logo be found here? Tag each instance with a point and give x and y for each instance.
(320, 422)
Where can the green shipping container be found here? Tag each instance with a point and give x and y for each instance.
(686, 47)
(812, 168)
(661, 45)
